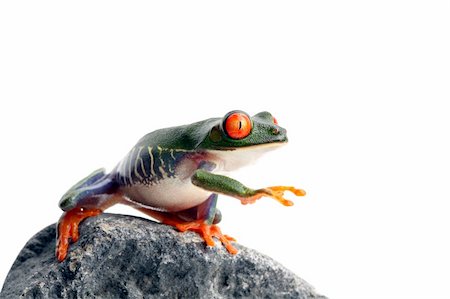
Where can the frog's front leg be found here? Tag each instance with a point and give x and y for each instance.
(201, 219)
(228, 186)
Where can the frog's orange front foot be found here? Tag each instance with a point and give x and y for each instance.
(276, 192)
(68, 228)
(206, 231)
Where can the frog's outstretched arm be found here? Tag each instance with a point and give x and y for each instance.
(228, 186)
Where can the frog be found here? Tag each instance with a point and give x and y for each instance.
(174, 175)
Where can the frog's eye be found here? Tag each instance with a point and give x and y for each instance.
(275, 121)
(237, 125)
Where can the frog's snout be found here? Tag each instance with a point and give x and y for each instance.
(279, 134)
(279, 131)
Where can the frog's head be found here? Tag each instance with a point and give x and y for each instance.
(237, 130)
(238, 138)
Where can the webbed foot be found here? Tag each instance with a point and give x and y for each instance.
(68, 228)
(275, 192)
(206, 231)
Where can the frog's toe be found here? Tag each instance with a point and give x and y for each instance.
(225, 239)
(207, 231)
(68, 228)
(277, 193)
(62, 245)
(229, 238)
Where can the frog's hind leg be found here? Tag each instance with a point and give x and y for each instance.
(201, 219)
(96, 183)
(87, 198)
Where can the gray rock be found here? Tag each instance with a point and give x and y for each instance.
(121, 256)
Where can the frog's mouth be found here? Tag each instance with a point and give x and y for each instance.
(234, 158)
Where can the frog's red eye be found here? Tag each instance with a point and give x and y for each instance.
(238, 125)
(275, 121)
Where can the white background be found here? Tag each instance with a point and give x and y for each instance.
(362, 87)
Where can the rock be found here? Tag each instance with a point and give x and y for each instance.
(121, 256)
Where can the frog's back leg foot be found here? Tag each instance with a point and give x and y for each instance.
(89, 197)
(68, 228)
(201, 219)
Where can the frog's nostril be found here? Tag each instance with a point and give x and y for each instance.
(275, 131)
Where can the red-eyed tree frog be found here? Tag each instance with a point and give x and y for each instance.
(175, 174)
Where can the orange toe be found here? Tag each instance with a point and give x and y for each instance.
(226, 240)
(68, 228)
(275, 192)
(206, 231)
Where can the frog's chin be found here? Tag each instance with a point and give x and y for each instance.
(232, 159)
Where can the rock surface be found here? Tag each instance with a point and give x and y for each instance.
(121, 256)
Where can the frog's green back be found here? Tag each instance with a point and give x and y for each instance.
(186, 137)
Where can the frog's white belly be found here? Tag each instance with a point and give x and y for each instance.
(170, 195)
